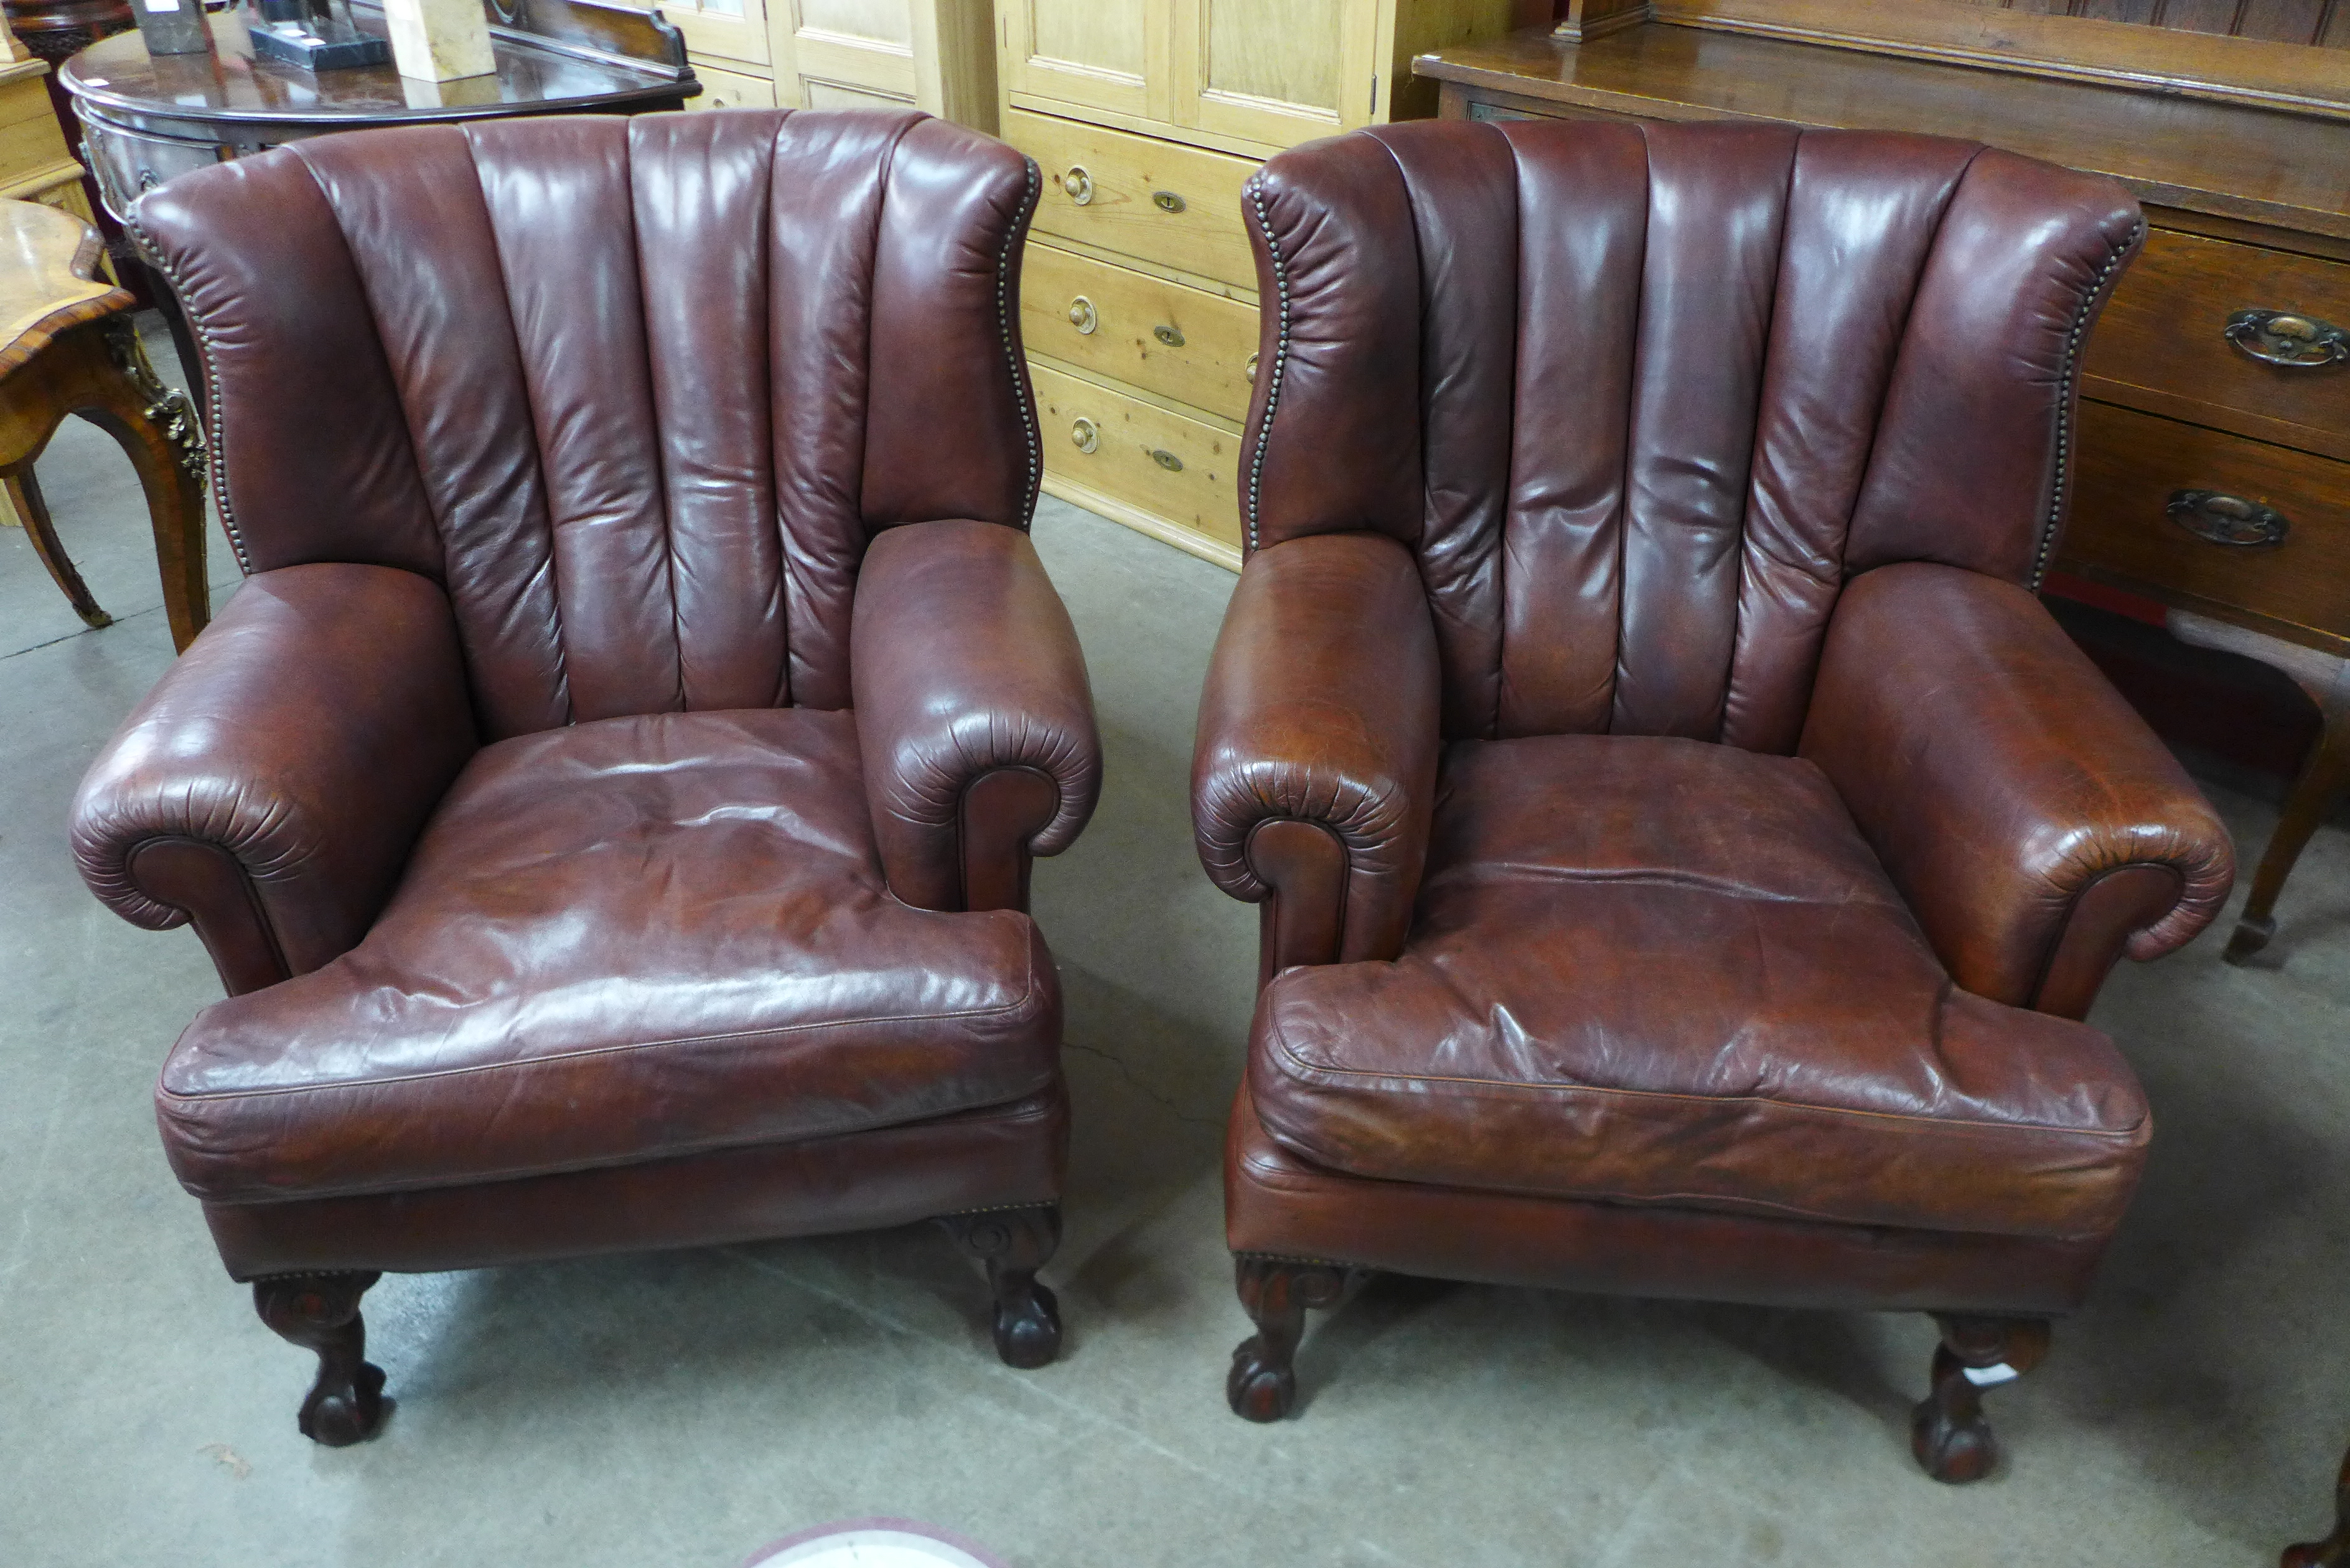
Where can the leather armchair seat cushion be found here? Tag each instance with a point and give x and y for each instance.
(621, 940)
(1655, 970)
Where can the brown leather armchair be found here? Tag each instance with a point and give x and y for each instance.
(1686, 846)
(609, 798)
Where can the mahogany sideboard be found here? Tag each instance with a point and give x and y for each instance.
(2214, 455)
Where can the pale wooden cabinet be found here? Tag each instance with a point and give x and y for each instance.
(1138, 298)
(934, 54)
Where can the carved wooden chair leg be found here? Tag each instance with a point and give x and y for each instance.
(1946, 1431)
(1014, 1243)
(32, 512)
(1276, 1294)
(321, 1312)
(2334, 1551)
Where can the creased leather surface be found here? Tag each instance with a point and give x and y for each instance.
(1321, 705)
(1998, 774)
(1638, 399)
(626, 940)
(964, 661)
(306, 734)
(1806, 1057)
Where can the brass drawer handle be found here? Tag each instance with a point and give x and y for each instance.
(1082, 317)
(1251, 368)
(2281, 338)
(1079, 184)
(1086, 434)
(1167, 201)
(1171, 335)
(1167, 460)
(2227, 519)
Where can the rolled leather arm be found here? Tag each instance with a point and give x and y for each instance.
(1313, 774)
(271, 786)
(974, 714)
(2034, 823)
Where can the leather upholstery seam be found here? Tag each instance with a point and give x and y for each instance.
(1279, 357)
(590, 1052)
(1718, 1206)
(2068, 382)
(1308, 1070)
(244, 881)
(1005, 320)
(217, 470)
(2073, 907)
(1021, 1110)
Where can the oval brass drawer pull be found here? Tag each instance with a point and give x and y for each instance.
(1167, 460)
(1079, 184)
(1081, 315)
(2281, 338)
(1086, 434)
(2227, 519)
(1171, 335)
(1167, 201)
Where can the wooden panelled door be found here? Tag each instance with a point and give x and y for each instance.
(1096, 54)
(1276, 71)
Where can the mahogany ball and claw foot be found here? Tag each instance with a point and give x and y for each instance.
(1276, 1294)
(1014, 1243)
(321, 1312)
(1947, 1433)
(2334, 1551)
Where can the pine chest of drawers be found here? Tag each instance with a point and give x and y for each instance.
(1137, 302)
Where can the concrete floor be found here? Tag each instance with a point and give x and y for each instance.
(686, 1408)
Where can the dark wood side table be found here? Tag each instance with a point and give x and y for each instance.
(2214, 462)
(147, 118)
(67, 347)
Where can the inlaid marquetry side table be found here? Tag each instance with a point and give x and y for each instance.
(68, 347)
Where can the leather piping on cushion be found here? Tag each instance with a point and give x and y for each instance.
(1279, 1204)
(204, 1144)
(1303, 918)
(1001, 1157)
(1003, 810)
(2105, 916)
(210, 886)
(1946, 1159)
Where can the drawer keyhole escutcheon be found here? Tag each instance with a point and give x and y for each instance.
(2228, 519)
(1079, 184)
(1086, 434)
(1167, 201)
(1171, 335)
(1082, 317)
(2281, 338)
(1167, 460)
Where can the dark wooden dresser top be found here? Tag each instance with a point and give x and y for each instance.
(2258, 165)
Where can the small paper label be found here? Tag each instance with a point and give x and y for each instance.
(165, 7)
(1990, 1376)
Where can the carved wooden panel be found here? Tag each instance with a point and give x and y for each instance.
(2323, 22)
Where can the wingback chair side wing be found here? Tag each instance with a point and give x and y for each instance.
(709, 435)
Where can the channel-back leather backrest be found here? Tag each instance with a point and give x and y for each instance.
(636, 391)
(1642, 399)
